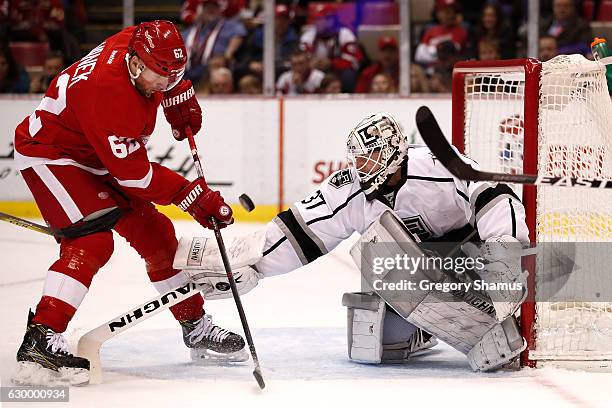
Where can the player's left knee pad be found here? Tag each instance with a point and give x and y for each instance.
(499, 346)
(69, 278)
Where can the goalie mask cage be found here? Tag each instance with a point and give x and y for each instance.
(523, 116)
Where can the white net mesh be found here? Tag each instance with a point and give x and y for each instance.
(574, 139)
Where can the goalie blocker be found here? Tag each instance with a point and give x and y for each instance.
(469, 326)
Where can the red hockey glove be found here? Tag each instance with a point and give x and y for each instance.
(182, 109)
(202, 203)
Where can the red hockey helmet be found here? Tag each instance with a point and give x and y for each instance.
(160, 46)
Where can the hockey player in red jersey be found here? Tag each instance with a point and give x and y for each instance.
(82, 154)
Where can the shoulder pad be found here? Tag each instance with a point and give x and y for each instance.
(341, 178)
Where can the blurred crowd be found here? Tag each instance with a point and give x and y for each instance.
(320, 46)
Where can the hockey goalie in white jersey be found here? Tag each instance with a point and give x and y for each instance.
(385, 173)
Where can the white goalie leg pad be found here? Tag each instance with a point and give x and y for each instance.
(499, 346)
(365, 316)
(200, 259)
(459, 317)
(377, 336)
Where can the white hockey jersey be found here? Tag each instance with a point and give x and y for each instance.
(429, 199)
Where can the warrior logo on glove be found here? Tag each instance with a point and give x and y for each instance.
(182, 110)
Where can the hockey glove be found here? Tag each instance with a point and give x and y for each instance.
(202, 203)
(182, 109)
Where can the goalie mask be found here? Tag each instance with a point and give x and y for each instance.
(376, 148)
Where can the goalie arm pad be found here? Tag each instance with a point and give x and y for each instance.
(312, 227)
(493, 208)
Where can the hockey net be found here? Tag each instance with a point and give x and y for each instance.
(552, 118)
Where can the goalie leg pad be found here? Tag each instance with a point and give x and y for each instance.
(377, 335)
(458, 317)
(365, 316)
(498, 346)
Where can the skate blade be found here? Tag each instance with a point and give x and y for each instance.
(30, 373)
(203, 356)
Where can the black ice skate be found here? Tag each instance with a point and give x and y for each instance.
(209, 343)
(43, 359)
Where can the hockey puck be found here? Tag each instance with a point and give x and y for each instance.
(246, 202)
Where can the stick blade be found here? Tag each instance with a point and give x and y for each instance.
(440, 147)
(259, 378)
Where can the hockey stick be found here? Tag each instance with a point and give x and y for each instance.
(91, 342)
(442, 150)
(228, 269)
(20, 222)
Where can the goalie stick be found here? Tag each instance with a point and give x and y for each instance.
(438, 144)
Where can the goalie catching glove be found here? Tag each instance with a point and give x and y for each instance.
(182, 110)
(202, 203)
(502, 273)
(200, 259)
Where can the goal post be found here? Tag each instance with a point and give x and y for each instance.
(523, 116)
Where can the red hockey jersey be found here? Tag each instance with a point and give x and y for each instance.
(93, 117)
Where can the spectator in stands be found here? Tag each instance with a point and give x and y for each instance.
(250, 85)
(191, 9)
(334, 49)
(548, 48)
(4, 21)
(488, 49)
(221, 81)
(42, 21)
(301, 78)
(382, 83)
(418, 80)
(388, 62)
(287, 42)
(440, 83)
(448, 56)
(573, 34)
(211, 34)
(447, 31)
(330, 84)
(54, 64)
(493, 26)
(13, 79)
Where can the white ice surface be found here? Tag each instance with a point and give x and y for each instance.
(298, 325)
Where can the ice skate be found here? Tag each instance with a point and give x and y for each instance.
(418, 344)
(211, 344)
(43, 359)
